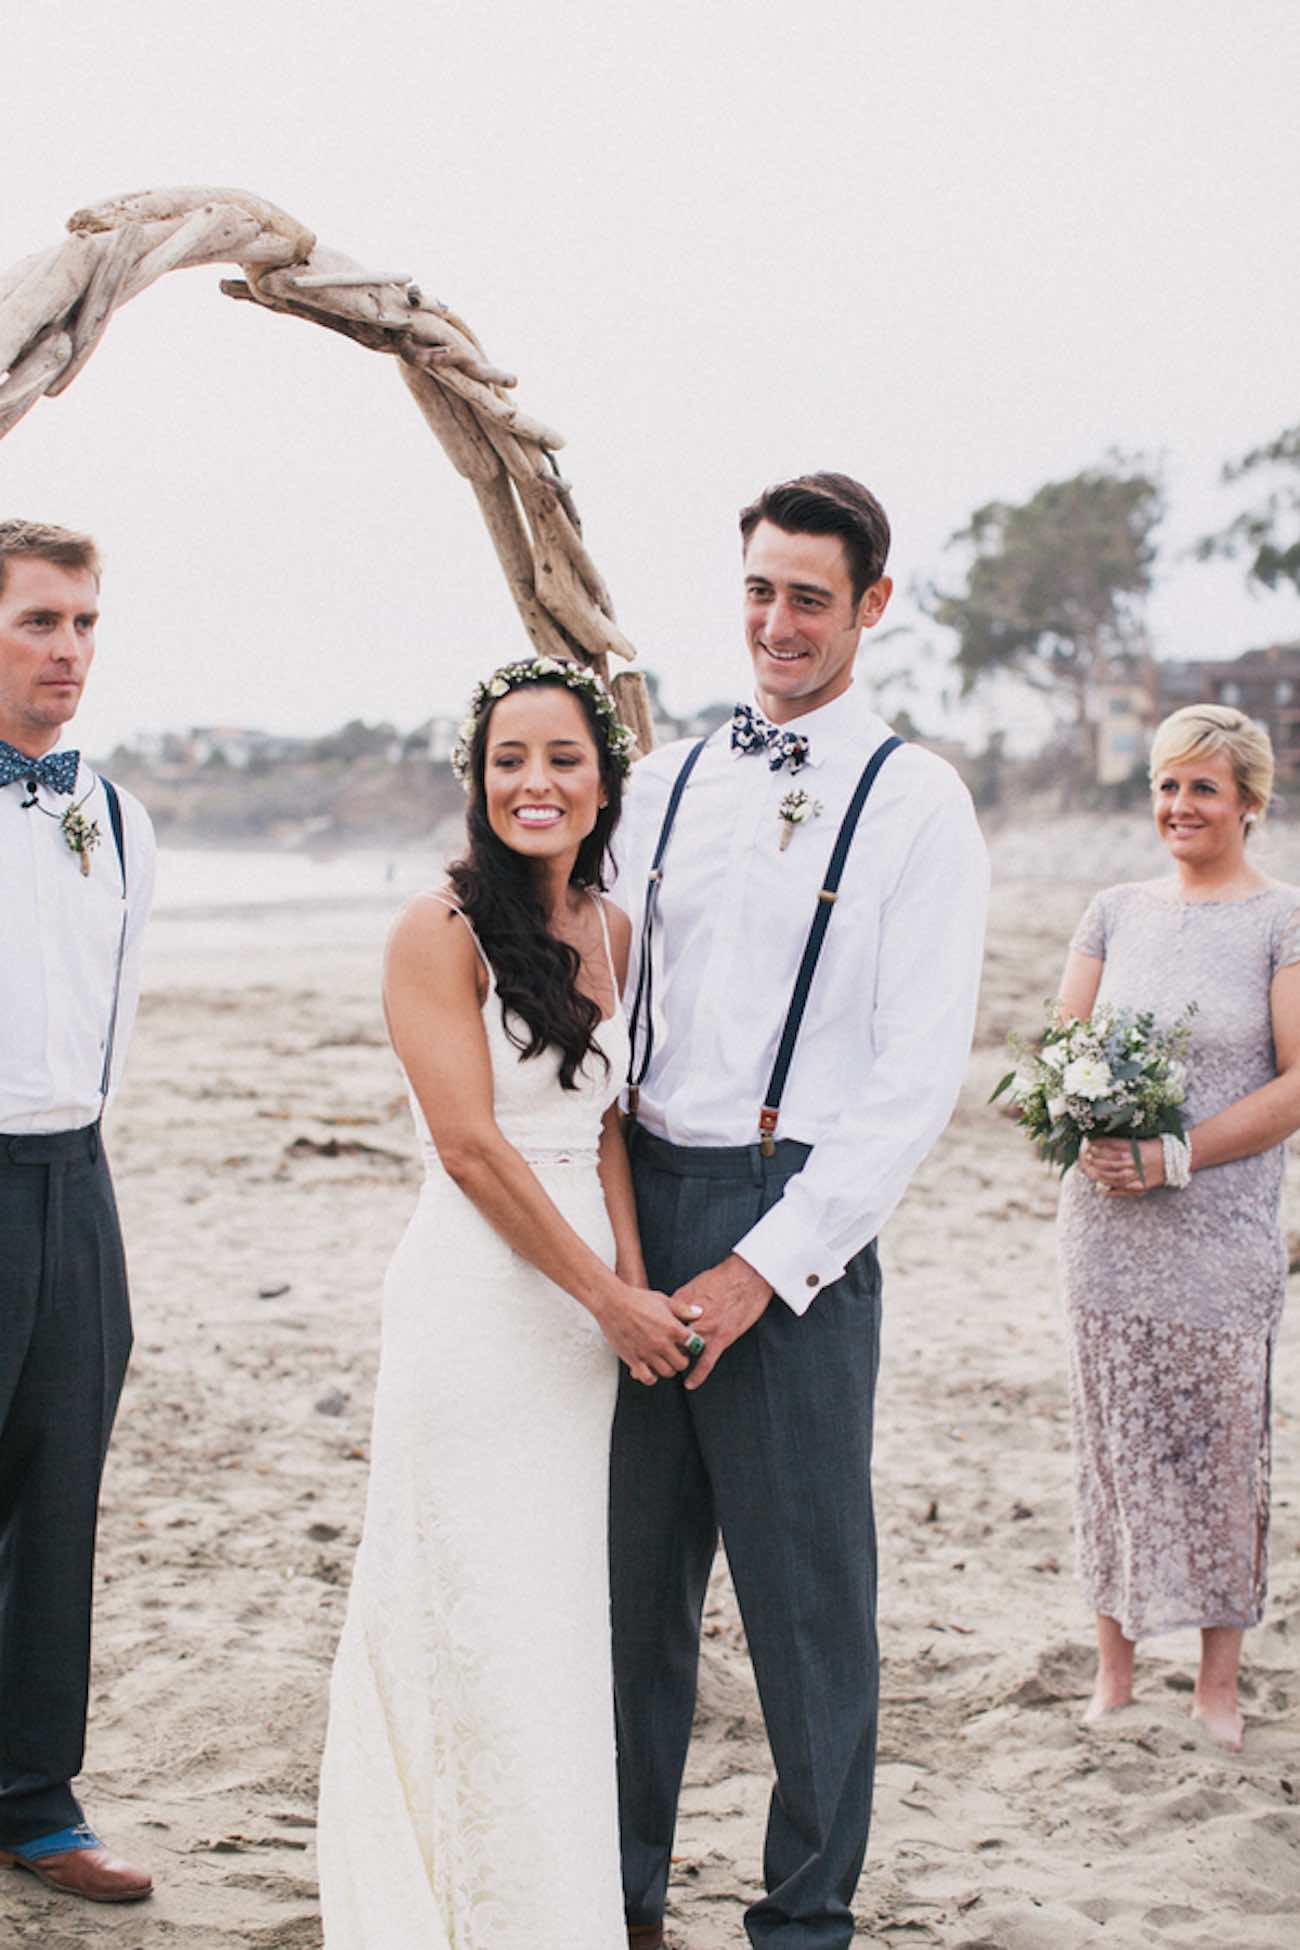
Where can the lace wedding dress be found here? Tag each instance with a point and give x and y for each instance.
(468, 1797)
(1175, 1298)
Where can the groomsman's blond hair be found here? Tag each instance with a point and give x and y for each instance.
(43, 542)
(1200, 730)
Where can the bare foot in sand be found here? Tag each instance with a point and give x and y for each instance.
(1214, 1700)
(1114, 1683)
(1222, 1721)
(1108, 1697)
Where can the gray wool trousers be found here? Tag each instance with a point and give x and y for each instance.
(773, 1453)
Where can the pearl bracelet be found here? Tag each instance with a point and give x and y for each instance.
(1177, 1153)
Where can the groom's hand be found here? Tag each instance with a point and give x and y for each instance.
(730, 1296)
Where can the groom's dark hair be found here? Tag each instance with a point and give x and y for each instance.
(828, 504)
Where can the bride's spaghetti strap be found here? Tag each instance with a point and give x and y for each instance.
(448, 902)
(609, 949)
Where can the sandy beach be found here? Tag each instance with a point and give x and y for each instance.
(265, 1169)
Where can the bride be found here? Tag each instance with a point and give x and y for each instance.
(468, 1795)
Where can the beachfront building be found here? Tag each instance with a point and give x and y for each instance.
(1119, 710)
(1263, 683)
(1127, 700)
(239, 746)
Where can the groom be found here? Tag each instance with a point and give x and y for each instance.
(810, 894)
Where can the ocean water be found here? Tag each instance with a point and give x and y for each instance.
(194, 880)
(234, 918)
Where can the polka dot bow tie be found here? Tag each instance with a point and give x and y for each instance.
(752, 732)
(57, 771)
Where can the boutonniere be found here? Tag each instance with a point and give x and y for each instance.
(81, 834)
(795, 809)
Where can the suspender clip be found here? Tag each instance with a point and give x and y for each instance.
(633, 1099)
(656, 873)
(829, 895)
(767, 1117)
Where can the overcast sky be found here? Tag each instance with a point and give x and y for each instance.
(955, 249)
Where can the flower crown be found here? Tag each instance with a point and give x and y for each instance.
(532, 670)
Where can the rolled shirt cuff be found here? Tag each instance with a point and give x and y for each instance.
(794, 1270)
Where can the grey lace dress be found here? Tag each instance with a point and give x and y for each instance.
(1174, 1298)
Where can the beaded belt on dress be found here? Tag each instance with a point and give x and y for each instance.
(540, 1154)
(550, 1154)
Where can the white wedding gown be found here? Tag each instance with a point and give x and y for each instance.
(468, 1797)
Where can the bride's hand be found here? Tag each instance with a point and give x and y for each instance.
(647, 1331)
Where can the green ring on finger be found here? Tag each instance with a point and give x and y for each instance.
(694, 1345)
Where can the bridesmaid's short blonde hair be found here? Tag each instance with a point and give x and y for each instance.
(1200, 730)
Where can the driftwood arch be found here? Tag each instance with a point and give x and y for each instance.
(56, 305)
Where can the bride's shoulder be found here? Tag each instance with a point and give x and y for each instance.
(433, 934)
(434, 909)
(618, 919)
(619, 925)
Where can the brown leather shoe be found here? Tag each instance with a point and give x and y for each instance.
(645, 1936)
(89, 1872)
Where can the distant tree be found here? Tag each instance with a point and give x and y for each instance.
(905, 724)
(1268, 533)
(1055, 587)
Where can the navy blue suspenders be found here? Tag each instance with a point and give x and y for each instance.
(644, 973)
(115, 821)
(119, 841)
(826, 898)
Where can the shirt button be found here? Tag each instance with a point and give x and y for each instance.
(812, 1280)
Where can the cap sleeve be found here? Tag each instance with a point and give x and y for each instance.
(1090, 936)
(1286, 931)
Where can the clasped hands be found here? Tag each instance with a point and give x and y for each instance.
(1110, 1164)
(718, 1306)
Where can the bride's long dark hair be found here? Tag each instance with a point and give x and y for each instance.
(536, 974)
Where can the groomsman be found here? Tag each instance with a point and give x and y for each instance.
(810, 898)
(77, 860)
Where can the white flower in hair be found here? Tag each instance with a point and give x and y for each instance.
(575, 676)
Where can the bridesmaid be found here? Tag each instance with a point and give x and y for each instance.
(1174, 1285)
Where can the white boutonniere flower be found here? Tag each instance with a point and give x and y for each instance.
(796, 809)
(81, 834)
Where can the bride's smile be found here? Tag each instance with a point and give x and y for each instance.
(541, 774)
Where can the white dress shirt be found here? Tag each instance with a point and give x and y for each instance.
(886, 1034)
(59, 952)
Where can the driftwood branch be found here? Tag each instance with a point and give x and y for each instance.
(56, 305)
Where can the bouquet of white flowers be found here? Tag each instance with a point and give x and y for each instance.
(1115, 1076)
